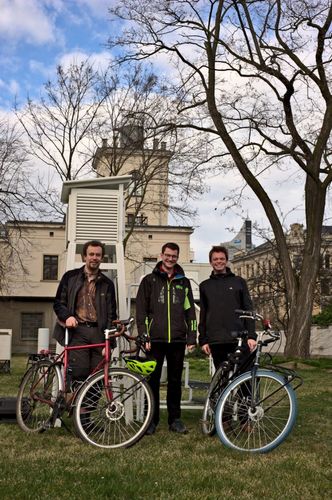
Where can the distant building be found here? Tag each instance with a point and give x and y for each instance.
(261, 268)
(241, 242)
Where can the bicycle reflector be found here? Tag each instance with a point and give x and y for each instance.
(143, 366)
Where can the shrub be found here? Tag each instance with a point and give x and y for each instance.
(324, 318)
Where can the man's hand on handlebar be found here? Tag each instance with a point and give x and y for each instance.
(71, 322)
(252, 344)
(146, 341)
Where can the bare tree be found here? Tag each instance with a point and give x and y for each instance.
(58, 125)
(258, 74)
(137, 142)
(81, 107)
(16, 200)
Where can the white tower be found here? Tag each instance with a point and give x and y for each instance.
(96, 212)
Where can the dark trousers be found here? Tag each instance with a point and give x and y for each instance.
(219, 352)
(174, 354)
(83, 361)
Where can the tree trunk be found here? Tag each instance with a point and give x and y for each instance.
(301, 292)
(299, 328)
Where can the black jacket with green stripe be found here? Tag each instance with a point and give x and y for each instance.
(165, 307)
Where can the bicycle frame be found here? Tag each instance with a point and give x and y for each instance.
(62, 360)
(290, 375)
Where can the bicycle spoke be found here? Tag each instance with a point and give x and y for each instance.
(120, 421)
(37, 395)
(263, 424)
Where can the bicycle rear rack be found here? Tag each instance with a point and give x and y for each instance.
(290, 375)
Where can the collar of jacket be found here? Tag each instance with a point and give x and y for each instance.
(178, 271)
(100, 275)
(222, 275)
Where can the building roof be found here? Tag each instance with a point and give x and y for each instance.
(98, 183)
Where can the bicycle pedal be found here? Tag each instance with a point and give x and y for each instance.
(46, 426)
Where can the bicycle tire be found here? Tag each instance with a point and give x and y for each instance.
(208, 417)
(120, 422)
(37, 393)
(268, 426)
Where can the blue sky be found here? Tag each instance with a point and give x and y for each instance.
(36, 35)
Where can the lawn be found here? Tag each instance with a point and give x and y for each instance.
(56, 464)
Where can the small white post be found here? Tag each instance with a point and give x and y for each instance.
(43, 339)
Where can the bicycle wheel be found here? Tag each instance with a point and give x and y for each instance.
(117, 416)
(260, 427)
(218, 382)
(37, 393)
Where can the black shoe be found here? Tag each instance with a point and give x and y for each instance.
(151, 429)
(178, 426)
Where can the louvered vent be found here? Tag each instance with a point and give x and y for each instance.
(97, 217)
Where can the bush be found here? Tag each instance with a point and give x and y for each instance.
(324, 318)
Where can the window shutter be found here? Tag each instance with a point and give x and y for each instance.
(97, 216)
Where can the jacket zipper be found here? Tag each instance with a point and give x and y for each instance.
(169, 310)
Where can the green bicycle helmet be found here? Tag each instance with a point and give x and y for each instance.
(143, 366)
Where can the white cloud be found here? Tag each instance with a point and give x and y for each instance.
(39, 67)
(98, 8)
(26, 20)
(218, 222)
(14, 87)
(100, 60)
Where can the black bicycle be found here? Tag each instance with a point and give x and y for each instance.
(237, 362)
(257, 410)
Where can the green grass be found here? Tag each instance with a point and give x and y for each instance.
(56, 464)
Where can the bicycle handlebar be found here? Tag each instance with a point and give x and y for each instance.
(265, 322)
(249, 314)
(120, 330)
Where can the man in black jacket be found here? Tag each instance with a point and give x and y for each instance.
(166, 312)
(85, 303)
(220, 296)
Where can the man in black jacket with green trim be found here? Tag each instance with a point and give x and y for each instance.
(166, 312)
(220, 296)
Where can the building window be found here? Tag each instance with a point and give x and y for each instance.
(325, 287)
(130, 219)
(136, 186)
(149, 264)
(30, 322)
(50, 267)
(139, 220)
(327, 261)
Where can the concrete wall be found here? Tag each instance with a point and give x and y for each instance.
(320, 342)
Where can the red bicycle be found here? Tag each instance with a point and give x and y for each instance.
(111, 409)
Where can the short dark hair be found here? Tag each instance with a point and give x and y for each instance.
(93, 243)
(218, 249)
(172, 246)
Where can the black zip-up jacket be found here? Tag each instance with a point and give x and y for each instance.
(165, 307)
(65, 300)
(220, 296)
